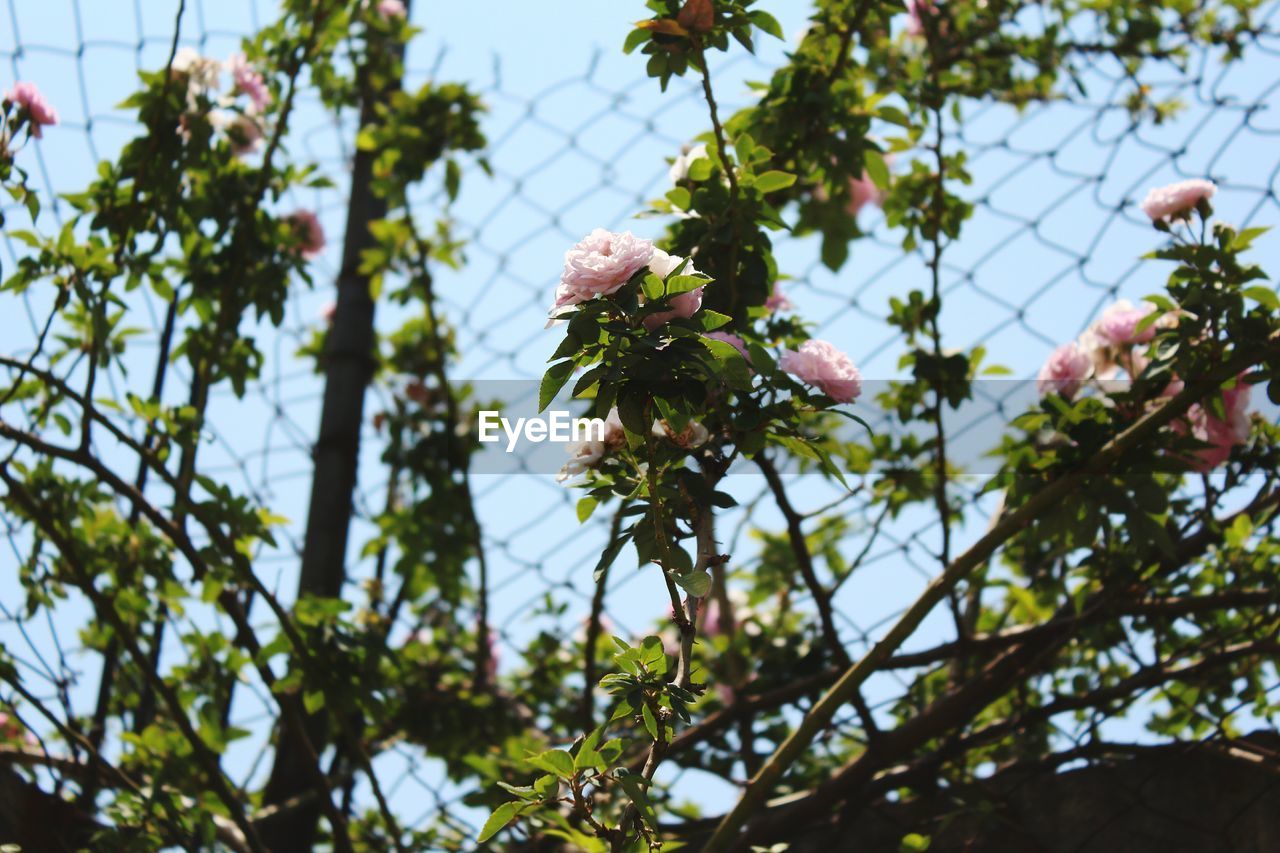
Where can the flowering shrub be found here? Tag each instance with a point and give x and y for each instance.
(1127, 572)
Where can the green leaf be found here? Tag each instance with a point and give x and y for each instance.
(653, 287)
(555, 761)
(313, 700)
(631, 407)
(501, 816)
(588, 756)
(713, 319)
(685, 283)
(634, 39)
(772, 181)
(697, 584)
(1246, 237)
(1264, 296)
(610, 554)
(877, 169)
(680, 198)
(552, 381)
(634, 785)
(650, 722)
(733, 366)
(766, 22)
(586, 507)
(452, 178)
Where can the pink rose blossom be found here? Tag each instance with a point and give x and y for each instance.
(309, 231)
(391, 8)
(1177, 199)
(733, 340)
(603, 261)
(683, 305)
(598, 265)
(27, 97)
(1118, 324)
(1065, 371)
(777, 301)
(249, 82)
(821, 365)
(1222, 434)
(861, 191)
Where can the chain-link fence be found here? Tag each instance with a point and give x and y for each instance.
(1055, 235)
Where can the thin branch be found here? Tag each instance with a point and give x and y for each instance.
(819, 717)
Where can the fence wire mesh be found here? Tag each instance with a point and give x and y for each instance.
(1055, 235)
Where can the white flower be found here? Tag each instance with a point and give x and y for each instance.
(584, 455)
(680, 167)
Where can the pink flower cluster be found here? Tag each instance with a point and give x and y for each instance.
(309, 232)
(777, 301)
(1176, 201)
(1113, 343)
(1221, 434)
(1105, 347)
(29, 100)
(248, 81)
(391, 8)
(822, 366)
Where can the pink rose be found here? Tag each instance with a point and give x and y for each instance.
(249, 82)
(819, 364)
(1067, 368)
(683, 305)
(28, 98)
(731, 339)
(861, 191)
(1118, 324)
(598, 265)
(1221, 433)
(1177, 200)
(777, 301)
(391, 8)
(310, 234)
